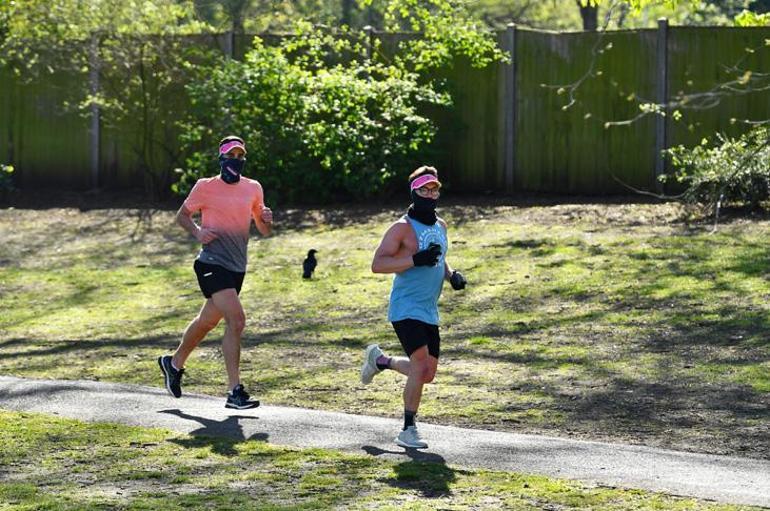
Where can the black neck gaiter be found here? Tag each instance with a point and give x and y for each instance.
(422, 209)
(230, 169)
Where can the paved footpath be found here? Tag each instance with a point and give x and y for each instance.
(721, 478)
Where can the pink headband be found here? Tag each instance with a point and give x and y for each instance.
(424, 180)
(227, 147)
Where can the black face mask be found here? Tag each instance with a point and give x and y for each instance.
(423, 209)
(230, 169)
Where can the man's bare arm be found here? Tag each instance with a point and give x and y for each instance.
(184, 218)
(385, 260)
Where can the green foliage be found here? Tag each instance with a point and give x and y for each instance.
(321, 121)
(324, 119)
(553, 15)
(281, 15)
(447, 29)
(564, 14)
(328, 116)
(733, 171)
(752, 19)
(139, 71)
(37, 29)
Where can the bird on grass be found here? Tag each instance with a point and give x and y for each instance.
(309, 264)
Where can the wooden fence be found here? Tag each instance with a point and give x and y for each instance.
(508, 131)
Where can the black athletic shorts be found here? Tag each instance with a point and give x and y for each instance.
(213, 278)
(415, 334)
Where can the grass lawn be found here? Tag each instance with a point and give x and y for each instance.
(57, 464)
(601, 321)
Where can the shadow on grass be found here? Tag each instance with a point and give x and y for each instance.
(426, 472)
(221, 436)
(293, 335)
(688, 374)
(87, 346)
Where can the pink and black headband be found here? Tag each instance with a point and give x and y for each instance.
(229, 146)
(424, 180)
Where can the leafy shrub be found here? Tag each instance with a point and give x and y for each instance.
(732, 171)
(321, 120)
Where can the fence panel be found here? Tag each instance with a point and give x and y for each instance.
(6, 115)
(571, 151)
(466, 145)
(142, 149)
(45, 140)
(700, 60)
(554, 150)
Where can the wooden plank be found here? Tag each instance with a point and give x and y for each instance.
(661, 98)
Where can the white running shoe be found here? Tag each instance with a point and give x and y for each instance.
(369, 367)
(410, 438)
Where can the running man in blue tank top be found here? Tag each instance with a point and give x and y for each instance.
(414, 248)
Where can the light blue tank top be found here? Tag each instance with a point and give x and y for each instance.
(416, 291)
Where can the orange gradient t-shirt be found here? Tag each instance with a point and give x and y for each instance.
(228, 209)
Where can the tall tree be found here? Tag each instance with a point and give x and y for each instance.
(589, 12)
(347, 12)
(236, 10)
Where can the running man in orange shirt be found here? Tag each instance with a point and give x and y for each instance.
(227, 203)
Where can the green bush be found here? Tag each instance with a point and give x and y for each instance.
(734, 171)
(321, 121)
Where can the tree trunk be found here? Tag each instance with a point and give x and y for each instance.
(237, 10)
(347, 12)
(590, 15)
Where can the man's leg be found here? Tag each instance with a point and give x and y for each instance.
(204, 322)
(420, 369)
(172, 367)
(229, 305)
(400, 365)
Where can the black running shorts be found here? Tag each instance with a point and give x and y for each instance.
(415, 334)
(213, 278)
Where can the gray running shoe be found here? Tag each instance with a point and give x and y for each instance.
(369, 367)
(410, 438)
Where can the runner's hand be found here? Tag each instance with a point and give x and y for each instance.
(206, 235)
(267, 215)
(457, 280)
(427, 257)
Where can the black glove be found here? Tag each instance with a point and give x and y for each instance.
(457, 280)
(427, 257)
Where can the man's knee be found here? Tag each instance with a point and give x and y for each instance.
(423, 370)
(236, 323)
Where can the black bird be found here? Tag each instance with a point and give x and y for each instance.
(309, 264)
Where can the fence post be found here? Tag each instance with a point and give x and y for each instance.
(230, 44)
(93, 78)
(509, 107)
(369, 30)
(661, 98)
